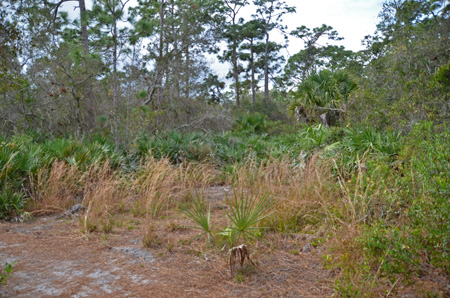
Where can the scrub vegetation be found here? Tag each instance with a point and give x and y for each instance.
(351, 147)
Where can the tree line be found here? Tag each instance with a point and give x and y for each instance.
(121, 68)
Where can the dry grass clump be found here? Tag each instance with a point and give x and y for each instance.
(194, 175)
(98, 189)
(302, 196)
(57, 188)
(63, 185)
(159, 185)
(308, 198)
(103, 195)
(156, 187)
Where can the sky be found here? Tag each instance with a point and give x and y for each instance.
(352, 19)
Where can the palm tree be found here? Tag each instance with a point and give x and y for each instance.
(324, 92)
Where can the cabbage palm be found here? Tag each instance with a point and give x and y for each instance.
(325, 90)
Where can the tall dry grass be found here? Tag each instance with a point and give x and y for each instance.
(315, 196)
(302, 195)
(156, 187)
(103, 195)
(98, 188)
(195, 175)
(160, 186)
(361, 194)
(56, 188)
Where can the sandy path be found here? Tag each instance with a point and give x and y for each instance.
(54, 260)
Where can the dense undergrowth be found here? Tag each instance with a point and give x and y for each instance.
(381, 197)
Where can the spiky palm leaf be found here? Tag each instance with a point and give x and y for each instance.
(245, 214)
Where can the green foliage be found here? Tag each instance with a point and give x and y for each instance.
(324, 92)
(442, 75)
(314, 137)
(11, 203)
(360, 140)
(176, 146)
(245, 214)
(325, 89)
(251, 123)
(199, 213)
(400, 87)
(410, 232)
(314, 55)
(5, 273)
(142, 94)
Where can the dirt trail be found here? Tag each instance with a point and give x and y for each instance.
(53, 259)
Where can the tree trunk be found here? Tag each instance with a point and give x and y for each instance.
(306, 69)
(187, 71)
(252, 65)
(161, 53)
(115, 95)
(235, 69)
(266, 68)
(236, 75)
(83, 23)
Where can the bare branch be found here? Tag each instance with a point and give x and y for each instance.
(58, 6)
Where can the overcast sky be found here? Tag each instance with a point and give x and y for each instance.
(352, 19)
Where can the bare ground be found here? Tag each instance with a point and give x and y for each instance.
(53, 259)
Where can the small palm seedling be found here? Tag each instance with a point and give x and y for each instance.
(200, 213)
(245, 214)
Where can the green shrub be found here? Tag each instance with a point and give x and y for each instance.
(11, 203)
(251, 123)
(416, 234)
(315, 137)
(246, 212)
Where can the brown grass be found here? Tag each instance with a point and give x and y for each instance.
(160, 186)
(361, 195)
(156, 186)
(195, 175)
(317, 198)
(103, 195)
(302, 196)
(57, 188)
